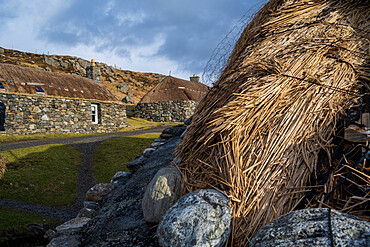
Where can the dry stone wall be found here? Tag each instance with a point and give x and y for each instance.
(170, 111)
(32, 114)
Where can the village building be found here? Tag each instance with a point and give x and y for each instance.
(38, 101)
(172, 100)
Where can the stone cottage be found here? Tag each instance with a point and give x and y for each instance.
(172, 100)
(38, 101)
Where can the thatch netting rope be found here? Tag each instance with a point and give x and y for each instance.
(258, 133)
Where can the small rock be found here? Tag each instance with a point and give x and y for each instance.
(156, 144)
(138, 162)
(130, 93)
(91, 205)
(2, 50)
(38, 229)
(49, 234)
(47, 69)
(86, 213)
(166, 136)
(97, 192)
(129, 100)
(161, 193)
(73, 225)
(66, 241)
(159, 139)
(175, 130)
(123, 87)
(148, 151)
(200, 218)
(111, 80)
(120, 178)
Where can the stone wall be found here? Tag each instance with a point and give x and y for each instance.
(170, 111)
(43, 114)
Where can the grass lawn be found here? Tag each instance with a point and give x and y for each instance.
(14, 222)
(112, 155)
(139, 123)
(43, 174)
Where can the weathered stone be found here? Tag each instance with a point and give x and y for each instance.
(314, 227)
(49, 234)
(200, 218)
(123, 87)
(73, 225)
(129, 100)
(156, 144)
(166, 136)
(91, 205)
(161, 193)
(111, 80)
(148, 151)
(97, 192)
(120, 178)
(130, 93)
(66, 241)
(159, 139)
(136, 163)
(86, 213)
(175, 130)
(2, 50)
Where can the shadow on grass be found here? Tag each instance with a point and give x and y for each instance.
(41, 175)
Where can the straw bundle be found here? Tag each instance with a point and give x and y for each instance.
(257, 134)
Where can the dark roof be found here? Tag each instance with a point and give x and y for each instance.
(175, 89)
(17, 79)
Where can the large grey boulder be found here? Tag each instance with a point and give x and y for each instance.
(200, 218)
(161, 193)
(314, 227)
(97, 192)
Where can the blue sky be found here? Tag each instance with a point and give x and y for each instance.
(140, 35)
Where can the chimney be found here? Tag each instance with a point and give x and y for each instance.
(194, 78)
(93, 72)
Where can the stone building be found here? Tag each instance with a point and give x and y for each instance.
(172, 100)
(38, 101)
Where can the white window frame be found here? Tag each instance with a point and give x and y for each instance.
(94, 112)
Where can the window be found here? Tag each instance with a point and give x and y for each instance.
(39, 90)
(94, 113)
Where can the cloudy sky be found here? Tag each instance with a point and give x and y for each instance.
(140, 35)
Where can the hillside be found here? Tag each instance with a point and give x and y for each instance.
(138, 83)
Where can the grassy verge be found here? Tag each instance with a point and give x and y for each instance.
(43, 174)
(14, 223)
(112, 155)
(17, 138)
(139, 123)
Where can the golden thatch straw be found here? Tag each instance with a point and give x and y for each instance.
(257, 134)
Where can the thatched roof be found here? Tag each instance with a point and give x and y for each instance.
(18, 79)
(175, 89)
(257, 134)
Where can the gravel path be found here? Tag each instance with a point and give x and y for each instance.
(87, 146)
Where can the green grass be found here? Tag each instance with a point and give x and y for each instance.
(4, 138)
(14, 223)
(139, 124)
(112, 155)
(43, 174)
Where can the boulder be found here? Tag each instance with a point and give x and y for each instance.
(120, 178)
(123, 87)
(129, 100)
(138, 162)
(161, 193)
(97, 192)
(2, 50)
(111, 80)
(74, 225)
(156, 144)
(314, 227)
(130, 93)
(86, 213)
(66, 240)
(200, 218)
(148, 151)
(175, 130)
